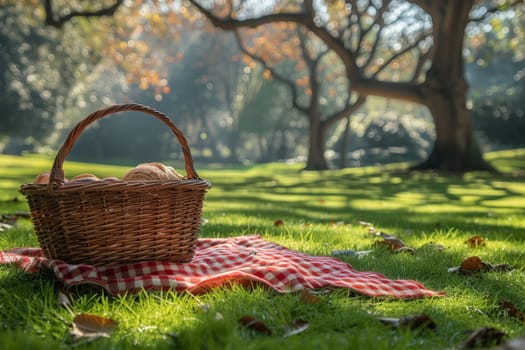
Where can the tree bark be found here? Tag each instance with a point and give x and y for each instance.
(316, 148)
(444, 92)
(343, 158)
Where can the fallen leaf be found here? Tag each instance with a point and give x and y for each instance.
(512, 310)
(89, 327)
(349, 252)
(94, 323)
(419, 321)
(310, 298)
(476, 241)
(482, 337)
(474, 264)
(296, 327)
(322, 201)
(278, 223)
(255, 324)
(394, 243)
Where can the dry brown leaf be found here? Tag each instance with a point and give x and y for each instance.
(476, 241)
(89, 327)
(512, 310)
(394, 243)
(482, 337)
(94, 323)
(473, 264)
(278, 223)
(255, 324)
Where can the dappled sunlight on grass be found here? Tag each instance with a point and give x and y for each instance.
(317, 212)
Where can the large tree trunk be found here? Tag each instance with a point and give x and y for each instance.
(456, 148)
(444, 93)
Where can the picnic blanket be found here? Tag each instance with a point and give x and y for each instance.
(220, 262)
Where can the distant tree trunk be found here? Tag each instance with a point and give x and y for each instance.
(282, 151)
(343, 158)
(316, 148)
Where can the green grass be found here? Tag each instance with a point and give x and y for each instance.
(321, 212)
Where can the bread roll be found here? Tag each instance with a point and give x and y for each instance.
(41, 178)
(152, 172)
(85, 177)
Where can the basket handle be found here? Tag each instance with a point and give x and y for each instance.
(57, 172)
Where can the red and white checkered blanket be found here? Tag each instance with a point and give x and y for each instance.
(222, 261)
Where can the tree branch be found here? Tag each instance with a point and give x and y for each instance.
(406, 91)
(400, 53)
(349, 109)
(229, 23)
(60, 21)
(279, 77)
(400, 90)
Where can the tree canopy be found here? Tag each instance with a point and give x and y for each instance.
(328, 56)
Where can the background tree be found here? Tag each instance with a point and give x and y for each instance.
(444, 88)
(312, 82)
(128, 51)
(40, 67)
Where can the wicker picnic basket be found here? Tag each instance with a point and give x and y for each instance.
(107, 223)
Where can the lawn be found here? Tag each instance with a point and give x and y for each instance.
(435, 214)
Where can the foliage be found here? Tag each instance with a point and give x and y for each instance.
(320, 212)
(496, 71)
(165, 54)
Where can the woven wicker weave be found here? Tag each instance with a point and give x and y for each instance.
(105, 223)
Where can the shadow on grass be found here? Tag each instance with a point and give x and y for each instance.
(390, 200)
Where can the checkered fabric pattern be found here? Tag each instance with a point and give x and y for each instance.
(220, 262)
